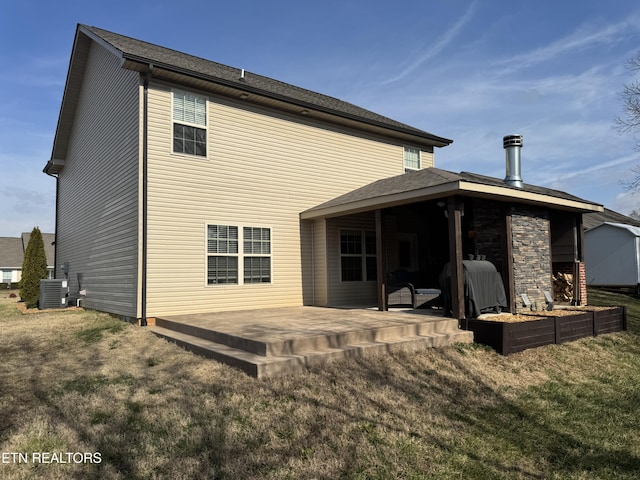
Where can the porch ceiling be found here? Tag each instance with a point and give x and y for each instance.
(432, 183)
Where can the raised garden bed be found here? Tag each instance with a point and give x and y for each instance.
(607, 319)
(510, 337)
(514, 333)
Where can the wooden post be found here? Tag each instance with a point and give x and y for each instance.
(509, 280)
(380, 263)
(454, 211)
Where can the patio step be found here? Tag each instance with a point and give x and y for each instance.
(296, 345)
(295, 355)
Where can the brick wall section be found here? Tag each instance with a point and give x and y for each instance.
(583, 284)
(566, 267)
(531, 255)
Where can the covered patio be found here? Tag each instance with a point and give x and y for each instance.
(426, 220)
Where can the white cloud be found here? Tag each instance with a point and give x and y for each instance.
(626, 202)
(587, 36)
(443, 42)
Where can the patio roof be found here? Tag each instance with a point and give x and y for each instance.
(433, 183)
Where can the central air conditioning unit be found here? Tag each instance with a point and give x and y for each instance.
(53, 294)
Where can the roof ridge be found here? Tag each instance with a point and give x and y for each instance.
(100, 31)
(263, 85)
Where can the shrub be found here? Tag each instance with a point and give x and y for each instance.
(34, 268)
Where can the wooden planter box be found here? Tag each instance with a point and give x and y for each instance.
(506, 338)
(511, 337)
(608, 321)
(613, 319)
(574, 327)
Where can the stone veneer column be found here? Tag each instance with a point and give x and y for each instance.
(531, 255)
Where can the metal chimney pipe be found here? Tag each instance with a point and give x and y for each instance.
(512, 145)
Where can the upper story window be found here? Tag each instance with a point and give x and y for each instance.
(411, 159)
(189, 124)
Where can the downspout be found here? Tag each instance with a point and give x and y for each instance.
(55, 233)
(145, 153)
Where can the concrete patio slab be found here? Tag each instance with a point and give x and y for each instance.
(279, 340)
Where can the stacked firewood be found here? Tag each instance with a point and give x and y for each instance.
(562, 287)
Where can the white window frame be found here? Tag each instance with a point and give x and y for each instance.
(7, 276)
(196, 124)
(363, 255)
(245, 251)
(408, 149)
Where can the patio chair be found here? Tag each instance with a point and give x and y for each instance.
(402, 292)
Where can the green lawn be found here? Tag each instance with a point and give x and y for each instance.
(83, 382)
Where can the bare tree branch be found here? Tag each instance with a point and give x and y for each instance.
(629, 121)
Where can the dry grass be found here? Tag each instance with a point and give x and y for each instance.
(84, 382)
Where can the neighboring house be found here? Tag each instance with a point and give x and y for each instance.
(187, 186)
(593, 219)
(12, 254)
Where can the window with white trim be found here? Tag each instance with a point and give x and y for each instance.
(227, 255)
(358, 256)
(411, 159)
(222, 254)
(189, 124)
(257, 254)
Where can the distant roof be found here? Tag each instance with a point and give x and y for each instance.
(166, 58)
(592, 220)
(432, 183)
(49, 248)
(622, 226)
(12, 250)
(11, 253)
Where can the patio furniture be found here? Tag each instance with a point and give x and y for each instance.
(402, 291)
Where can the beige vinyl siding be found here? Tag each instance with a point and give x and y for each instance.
(318, 265)
(307, 248)
(426, 159)
(263, 168)
(98, 196)
(347, 293)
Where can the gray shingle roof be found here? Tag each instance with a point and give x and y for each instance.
(49, 249)
(11, 253)
(140, 51)
(12, 250)
(498, 182)
(591, 220)
(428, 177)
(432, 177)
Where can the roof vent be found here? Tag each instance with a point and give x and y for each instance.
(512, 145)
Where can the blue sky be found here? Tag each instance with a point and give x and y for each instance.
(472, 71)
